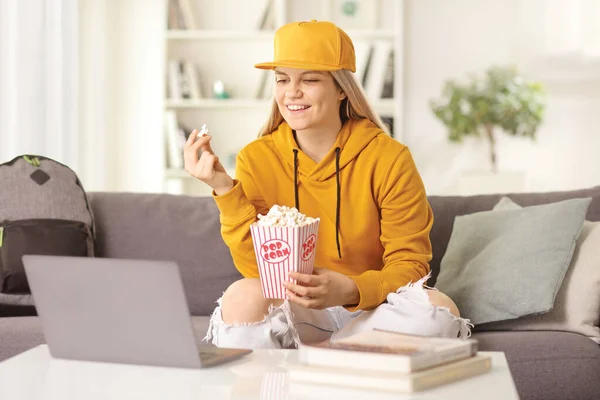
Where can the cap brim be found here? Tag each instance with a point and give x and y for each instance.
(299, 65)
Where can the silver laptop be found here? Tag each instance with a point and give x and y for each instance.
(118, 311)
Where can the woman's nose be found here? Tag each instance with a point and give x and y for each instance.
(293, 90)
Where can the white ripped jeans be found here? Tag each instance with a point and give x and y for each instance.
(408, 310)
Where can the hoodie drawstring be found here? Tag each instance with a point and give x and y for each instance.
(296, 179)
(337, 206)
(338, 194)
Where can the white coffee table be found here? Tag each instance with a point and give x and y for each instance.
(34, 374)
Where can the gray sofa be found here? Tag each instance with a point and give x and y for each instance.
(545, 365)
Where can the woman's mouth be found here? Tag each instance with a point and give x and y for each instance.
(297, 108)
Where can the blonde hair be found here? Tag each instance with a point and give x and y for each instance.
(354, 106)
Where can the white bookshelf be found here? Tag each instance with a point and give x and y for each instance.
(224, 45)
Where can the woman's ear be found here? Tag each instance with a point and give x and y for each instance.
(341, 95)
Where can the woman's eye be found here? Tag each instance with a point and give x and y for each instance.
(281, 81)
(311, 80)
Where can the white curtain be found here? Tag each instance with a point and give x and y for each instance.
(573, 27)
(39, 79)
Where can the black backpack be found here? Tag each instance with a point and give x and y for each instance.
(43, 210)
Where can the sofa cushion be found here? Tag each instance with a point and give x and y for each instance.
(577, 305)
(548, 365)
(446, 208)
(19, 334)
(495, 259)
(184, 229)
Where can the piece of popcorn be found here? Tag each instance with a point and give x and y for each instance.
(283, 216)
(203, 131)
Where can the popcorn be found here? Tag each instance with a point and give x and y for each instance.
(203, 131)
(285, 240)
(284, 216)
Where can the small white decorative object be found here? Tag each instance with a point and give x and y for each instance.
(219, 90)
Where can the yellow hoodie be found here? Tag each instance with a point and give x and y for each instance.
(384, 215)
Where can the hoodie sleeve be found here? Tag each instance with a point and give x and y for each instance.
(406, 220)
(239, 208)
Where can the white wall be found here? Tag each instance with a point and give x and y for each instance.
(450, 39)
(123, 48)
(93, 89)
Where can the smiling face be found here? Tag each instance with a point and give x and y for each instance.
(307, 99)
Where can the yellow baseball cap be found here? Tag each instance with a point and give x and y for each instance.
(313, 45)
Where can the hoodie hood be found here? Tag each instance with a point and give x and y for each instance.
(354, 136)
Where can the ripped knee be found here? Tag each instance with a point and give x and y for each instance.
(243, 302)
(440, 299)
(276, 329)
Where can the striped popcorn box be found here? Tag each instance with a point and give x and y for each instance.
(280, 250)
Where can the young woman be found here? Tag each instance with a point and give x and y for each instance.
(324, 151)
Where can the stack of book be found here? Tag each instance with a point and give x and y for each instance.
(389, 361)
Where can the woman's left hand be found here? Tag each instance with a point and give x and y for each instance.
(323, 289)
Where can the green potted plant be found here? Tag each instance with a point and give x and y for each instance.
(500, 100)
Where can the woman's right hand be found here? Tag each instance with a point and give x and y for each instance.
(207, 167)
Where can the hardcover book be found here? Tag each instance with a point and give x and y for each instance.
(387, 351)
(391, 381)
